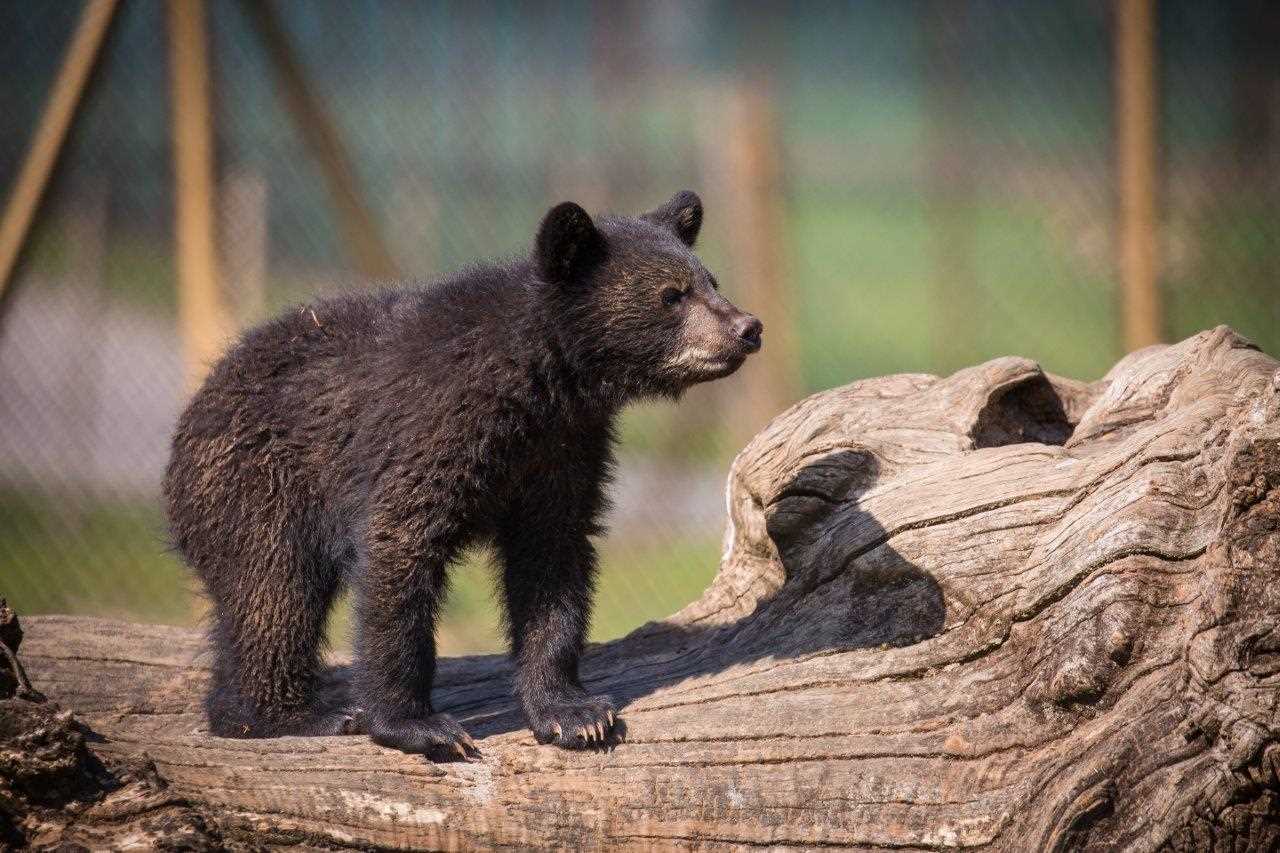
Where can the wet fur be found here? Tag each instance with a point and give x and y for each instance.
(367, 440)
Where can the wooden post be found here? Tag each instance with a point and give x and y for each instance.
(949, 197)
(86, 229)
(1136, 162)
(367, 248)
(242, 207)
(415, 226)
(201, 314)
(51, 132)
(749, 176)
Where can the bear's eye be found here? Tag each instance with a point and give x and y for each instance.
(672, 296)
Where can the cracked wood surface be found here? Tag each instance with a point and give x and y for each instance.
(998, 610)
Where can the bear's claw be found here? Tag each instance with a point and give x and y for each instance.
(589, 722)
(438, 737)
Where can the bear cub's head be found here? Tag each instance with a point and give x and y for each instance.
(633, 302)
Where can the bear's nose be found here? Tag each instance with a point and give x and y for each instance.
(748, 330)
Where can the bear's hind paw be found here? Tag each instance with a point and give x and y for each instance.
(438, 737)
(342, 721)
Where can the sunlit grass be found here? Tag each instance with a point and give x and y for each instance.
(109, 559)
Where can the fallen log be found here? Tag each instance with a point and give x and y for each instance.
(998, 610)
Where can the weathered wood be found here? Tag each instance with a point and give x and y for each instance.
(1000, 610)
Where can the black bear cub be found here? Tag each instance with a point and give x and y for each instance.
(368, 439)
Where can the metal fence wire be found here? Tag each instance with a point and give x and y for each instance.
(892, 186)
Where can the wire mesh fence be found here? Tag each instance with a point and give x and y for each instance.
(893, 187)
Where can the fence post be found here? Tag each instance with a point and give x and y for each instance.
(85, 285)
(51, 132)
(950, 195)
(201, 313)
(320, 133)
(1136, 163)
(414, 227)
(243, 232)
(756, 231)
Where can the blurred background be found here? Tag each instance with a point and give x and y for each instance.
(891, 186)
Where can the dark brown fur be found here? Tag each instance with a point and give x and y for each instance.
(367, 440)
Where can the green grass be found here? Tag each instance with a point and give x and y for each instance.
(74, 554)
(108, 559)
(870, 300)
(1231, 279)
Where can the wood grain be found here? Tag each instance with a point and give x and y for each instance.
(999, 610)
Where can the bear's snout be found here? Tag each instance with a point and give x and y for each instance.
(748, 329)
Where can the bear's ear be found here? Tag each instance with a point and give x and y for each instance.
(569, 244)
(683, 215)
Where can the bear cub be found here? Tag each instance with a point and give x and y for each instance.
(367, 440)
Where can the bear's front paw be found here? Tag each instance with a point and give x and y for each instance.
(573, 722)
(438, 737)
(346, 720)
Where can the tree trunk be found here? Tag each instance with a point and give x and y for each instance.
(999, 610)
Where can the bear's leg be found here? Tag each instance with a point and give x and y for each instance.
(270, 601)
(549, 568)
(399, 589)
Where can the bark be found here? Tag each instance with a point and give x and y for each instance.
(1001, 610)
